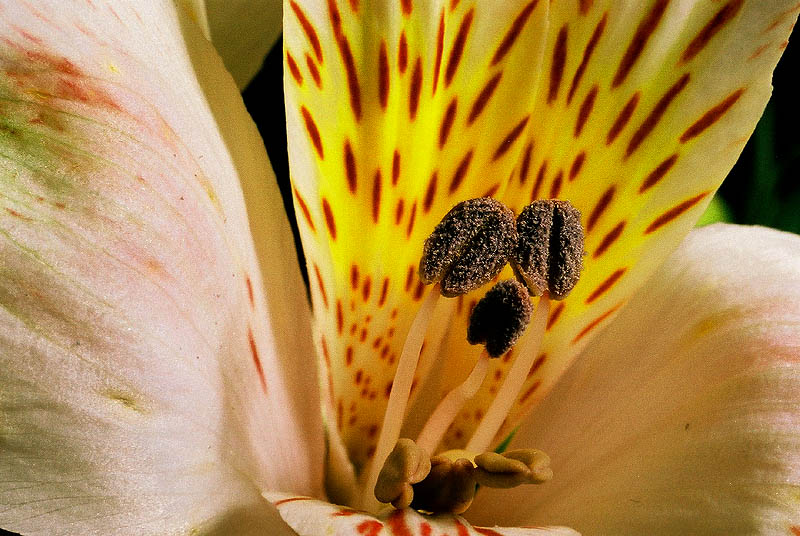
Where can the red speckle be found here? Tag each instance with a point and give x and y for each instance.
(430, 192)
(414, 91)
(594, 323)
(330, 223)
(513, 32)
(447, 122)
(369, 528)
(458, 47)
(643, 33)
(294, 69)
(312, 68)
(577, 165)
(395, 167)
(600, 207)
(622, 119)
(313, 131)
(609, 239)
(304, 209)
(402, 53)
(439, 51)
(377, 183)
(256, 359)
(397, 524)
(348, 356)
(460, 173)
(250, 290)
(674, 212)
(557, 67)
(308, 28)
(510, 138)
(587, 54)
(383, 76)
(606, 285)
(656, 114)
(483, 98)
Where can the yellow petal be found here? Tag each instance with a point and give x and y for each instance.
(633, 111)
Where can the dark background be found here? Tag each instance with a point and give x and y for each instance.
(762, 188)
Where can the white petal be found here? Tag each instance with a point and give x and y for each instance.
(145, 387)
(684, 416)
(310, 517)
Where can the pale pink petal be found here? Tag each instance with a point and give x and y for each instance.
(311, 517)
(148, 384)
(683, 417)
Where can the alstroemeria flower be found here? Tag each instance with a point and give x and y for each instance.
(157, 346)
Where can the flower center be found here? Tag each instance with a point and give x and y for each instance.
(466, 250)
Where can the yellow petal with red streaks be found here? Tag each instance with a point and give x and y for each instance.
(641, 112)
(396, 111)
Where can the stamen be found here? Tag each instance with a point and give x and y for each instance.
(406, 465)
(469, 247)
(549, 252)
(448, 488)
(491, 422)
(512, 468)
(498, 320)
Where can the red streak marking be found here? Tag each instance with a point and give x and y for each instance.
(527, 394)
(461, 529)
(17, 214)
(366, 288)
(292, 499)
(425, 529)
(294, 69)
(349, 62)
(491, 191)
(322, 292)
(411, 218)
(555, 188)
(722, 17)
(510, 138)
(526, 163)
(304, 209)
(596, 322)
(587, 55)
(655, 116)
(376, 196)
(397, 524)
(402, 53)
(513, 32)
(460, 173)
(384, 292)
(256, 360)
(609, 239)
(439, 51)
(370, 528)
(711, 116)
(447, 122)
(600, 207)
(330, 223)
(557, 68)
(409, 278)
(430, 192)
(458, 47)
(539, 181)
(395, 168)
(354, 276)
(537, 364)
(554, 315)
(795, 530)
(643, 33)
(350, 170)
(308, 29)
(313, 132)
(414, 91)
(658, 173)
(398, 211)
(490, 532)
(348, 356)
(586, 109)
(674, 213)
(359, 376)
(383, 76)
(354, 6)
(419, 291)
(585, 6)
(407, 6)
(622, 119)
(250, 290)
(312, 68)
(606, 285)
(483, 98)
(577, 165)
(339, 317)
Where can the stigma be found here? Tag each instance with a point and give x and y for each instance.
(467, 250)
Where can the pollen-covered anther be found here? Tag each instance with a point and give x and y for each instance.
(406, 465)
(469, 246)
(512, 468)
(449, 488)
(548, 256)
(500, 317)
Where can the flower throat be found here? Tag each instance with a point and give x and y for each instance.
(467, 250)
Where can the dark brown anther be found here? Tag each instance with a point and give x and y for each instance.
(469, 247)
(448, 489)
(500, 317)
(549, 253)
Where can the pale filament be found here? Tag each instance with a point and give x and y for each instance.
(447, 410)
(482, 438)
(399, 395)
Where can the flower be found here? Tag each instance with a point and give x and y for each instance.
(155, 338)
